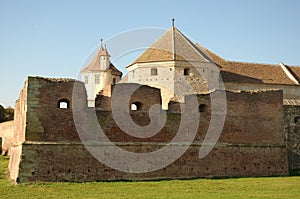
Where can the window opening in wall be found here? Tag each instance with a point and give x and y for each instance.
(86, 79)
(97, 79)
(63, 104)
(153, 71)
(202, 108)
(136, 106)
(186, 71)
(114, 81)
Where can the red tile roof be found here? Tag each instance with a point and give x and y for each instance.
(95, 63)
(172, 45)
(244, 72)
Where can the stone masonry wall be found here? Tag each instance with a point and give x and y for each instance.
(20, 118)
(292, 135)
(145, 95)
(251, 144)
(6, 134)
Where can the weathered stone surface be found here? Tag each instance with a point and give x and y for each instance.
(292, 135)
(47, 146)
(6, 135)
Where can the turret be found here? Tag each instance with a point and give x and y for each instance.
(98, 74)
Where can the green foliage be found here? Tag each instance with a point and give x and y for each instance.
(2, 114)
(6, 114)
(9, 113)
(272, 187)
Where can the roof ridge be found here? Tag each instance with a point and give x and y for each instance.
(254, 63)
(193, 46)
(289, 73)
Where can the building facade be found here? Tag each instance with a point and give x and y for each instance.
(98, 74)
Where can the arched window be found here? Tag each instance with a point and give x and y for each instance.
(202, 108)
(136, 106)
(63, 104)
(153, 71)
(186, 71)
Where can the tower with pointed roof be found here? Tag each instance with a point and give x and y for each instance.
(99, 73)
(175, 65)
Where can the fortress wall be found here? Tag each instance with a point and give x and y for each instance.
(45, 120)
(20, 116)
(254, 117)
(72, 162)
(292, 135)
(6, 135)
(37, 112)
(249, 145)
(289, 91)
(251, 117)
(145, 95)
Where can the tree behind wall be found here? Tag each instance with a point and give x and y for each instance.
(9, 114)
(2, 114)
(6, 114)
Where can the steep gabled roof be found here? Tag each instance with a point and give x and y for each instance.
(244, 72)
(115, 71)
(171, 46)
(254, 73)
(295, 70)
(94, 65)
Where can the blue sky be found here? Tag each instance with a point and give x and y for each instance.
(53, 38)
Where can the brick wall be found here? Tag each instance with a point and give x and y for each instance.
(20, 117)
(6, 135)
(251, 144)
(72, 162)
(145, 95)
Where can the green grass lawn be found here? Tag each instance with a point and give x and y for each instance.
(272, 187)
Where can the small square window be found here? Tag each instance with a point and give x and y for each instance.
(153, 71)
(186, 71)
(97, 79)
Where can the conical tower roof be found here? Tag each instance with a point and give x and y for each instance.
(173, 46)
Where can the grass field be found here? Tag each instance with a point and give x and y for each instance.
(273, 187)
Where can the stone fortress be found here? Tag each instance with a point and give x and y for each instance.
(260, 136)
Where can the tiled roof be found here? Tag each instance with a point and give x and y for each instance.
(295, 70)
(95, 63)
(244, 72)
(115, 71)
(172, 45)
(254, 73)
(291, 102)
